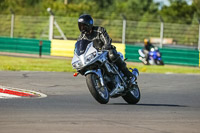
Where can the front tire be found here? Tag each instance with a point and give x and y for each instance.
(99, 92)
(133, 96)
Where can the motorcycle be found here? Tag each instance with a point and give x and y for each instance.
(154, 57)
(104, 79)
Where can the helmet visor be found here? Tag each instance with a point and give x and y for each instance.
(83, 27)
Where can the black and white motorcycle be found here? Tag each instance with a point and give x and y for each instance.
(103, 78)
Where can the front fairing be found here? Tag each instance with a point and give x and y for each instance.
(155, 54)
(81, 46)
(84, 54)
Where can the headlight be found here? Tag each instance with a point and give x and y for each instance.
(90, 57)
(152, 49)
(77, 64)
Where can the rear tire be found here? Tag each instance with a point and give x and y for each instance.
(99, 92)
(159, 62)
(133, 96)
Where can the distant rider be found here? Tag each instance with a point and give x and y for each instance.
(147, 48)
(102, 41)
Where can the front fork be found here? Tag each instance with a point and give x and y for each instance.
(97, 72)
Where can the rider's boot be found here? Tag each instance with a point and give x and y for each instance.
(122, 66)
(115, 58)
(147, 60)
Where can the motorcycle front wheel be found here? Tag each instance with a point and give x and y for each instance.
(133, 96)
(99, 92)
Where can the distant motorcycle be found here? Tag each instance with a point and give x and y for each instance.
(103, 78)
(154, 57)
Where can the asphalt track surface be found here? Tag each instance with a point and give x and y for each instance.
(170, 103)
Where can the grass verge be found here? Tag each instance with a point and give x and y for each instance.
(8, 63)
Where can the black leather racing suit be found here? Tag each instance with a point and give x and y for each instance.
(101, 41)
(148, 46)
(146, 50)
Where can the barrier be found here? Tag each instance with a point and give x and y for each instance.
(66, 48)
(172, 56)
(120, 48)
(176, 56)
(132, 53)
(62, 48)
(21, 45)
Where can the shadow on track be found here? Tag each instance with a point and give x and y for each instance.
(152, 105)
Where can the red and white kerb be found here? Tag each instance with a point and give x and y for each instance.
(8, 92)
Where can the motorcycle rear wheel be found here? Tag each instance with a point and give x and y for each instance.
(99, 92)
(159, 62)
(133, 96)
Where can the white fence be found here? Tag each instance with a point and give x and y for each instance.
(129, 32)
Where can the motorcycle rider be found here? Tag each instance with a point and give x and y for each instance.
(101, 41)
(147, 48)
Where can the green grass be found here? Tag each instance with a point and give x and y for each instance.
(8, 63)
(165, 68)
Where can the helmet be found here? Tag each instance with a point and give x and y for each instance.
(146, 41)
(85, 23)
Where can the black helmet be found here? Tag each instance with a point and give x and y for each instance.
(85, 23)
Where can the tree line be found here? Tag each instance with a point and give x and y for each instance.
(179, 11)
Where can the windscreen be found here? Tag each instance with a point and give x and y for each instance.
(81, 46)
